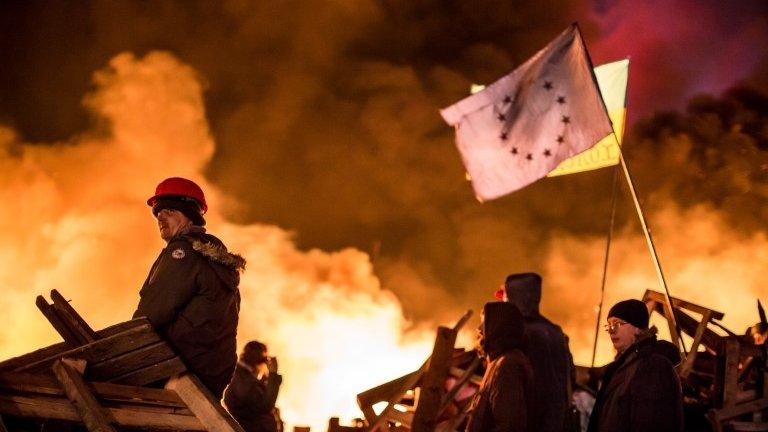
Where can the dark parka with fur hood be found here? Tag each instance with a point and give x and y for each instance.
(503, 403)
(640, 391)
(191, 298)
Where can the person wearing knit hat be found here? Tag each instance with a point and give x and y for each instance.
(626, 320)
(191, 294)
(640, 389)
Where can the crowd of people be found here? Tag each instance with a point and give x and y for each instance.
(191, 298)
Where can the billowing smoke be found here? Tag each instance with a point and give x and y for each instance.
(325, 119)
(79, 223)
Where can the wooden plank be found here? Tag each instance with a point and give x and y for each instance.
(72, 319)
(48, 385)
(659, 297)
(384, 391)
(85, 403)
(458, 373)
(731, 377)
(52, 350)
(463, 380)
(101, 349)
(153, 373)
(433, 382)
(200, 401)
(50, 314)
(406, 385)
(463, 320)
(687, 365)
(60, 409)
(120, 365)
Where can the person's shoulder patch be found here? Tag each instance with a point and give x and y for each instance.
(178, 253)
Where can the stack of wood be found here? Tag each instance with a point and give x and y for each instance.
(122, 377)
(722, 372)
(435, 397)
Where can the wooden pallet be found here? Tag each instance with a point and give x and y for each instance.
(99, 378)
(418, 401)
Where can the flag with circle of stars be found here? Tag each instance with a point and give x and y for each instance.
(521, 127)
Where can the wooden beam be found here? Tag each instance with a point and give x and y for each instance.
(463, 320)
(463, 380)
(687, 365)
(129, 361)
(48, 385)
(433, 382)
(152, 373)
(679, 303)
(731, 372)
(56, 408)
(94, 417)
(101, 349)
(61, 328)
(202, 403)
(52, 350)
(385, 391)
(72, 319)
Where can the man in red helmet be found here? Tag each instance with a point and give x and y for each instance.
(191, 294)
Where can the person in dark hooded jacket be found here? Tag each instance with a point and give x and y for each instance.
(503, 402)
(191, 294)
(546, 346)
(251, 395)
(640, 390)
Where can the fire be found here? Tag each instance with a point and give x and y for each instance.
(75, 219)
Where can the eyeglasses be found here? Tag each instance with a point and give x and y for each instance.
(612, 327)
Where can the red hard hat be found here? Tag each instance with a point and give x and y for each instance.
(177, 186)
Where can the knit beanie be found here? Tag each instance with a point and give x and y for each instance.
(632, 311)
(187, 206)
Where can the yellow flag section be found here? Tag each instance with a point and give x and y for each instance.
(612, 80)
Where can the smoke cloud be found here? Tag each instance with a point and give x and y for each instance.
(325, 122)
(82, 226)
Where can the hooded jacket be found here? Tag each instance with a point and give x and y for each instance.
(503, 402)
(640, 390)
(191, 298)
(546, 346)
(251, 401)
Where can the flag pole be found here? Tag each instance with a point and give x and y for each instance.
(652, 248)
(640, 215)
(614, 190)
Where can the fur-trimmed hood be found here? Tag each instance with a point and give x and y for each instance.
(218, 253)
(227, 265)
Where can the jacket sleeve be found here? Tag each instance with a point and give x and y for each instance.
(656, 401)
(171, 284)
(508, 398)
(246, 393)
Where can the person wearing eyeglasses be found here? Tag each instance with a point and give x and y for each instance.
(640, 390)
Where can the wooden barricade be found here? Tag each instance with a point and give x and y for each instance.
(420, 401)
(740, 364)
(97, 378)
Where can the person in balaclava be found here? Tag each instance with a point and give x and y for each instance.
(191, 294)
(640, 390)
(547, 347)
(503, 402)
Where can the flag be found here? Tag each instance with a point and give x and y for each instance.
(612, 79)
(521, 127)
